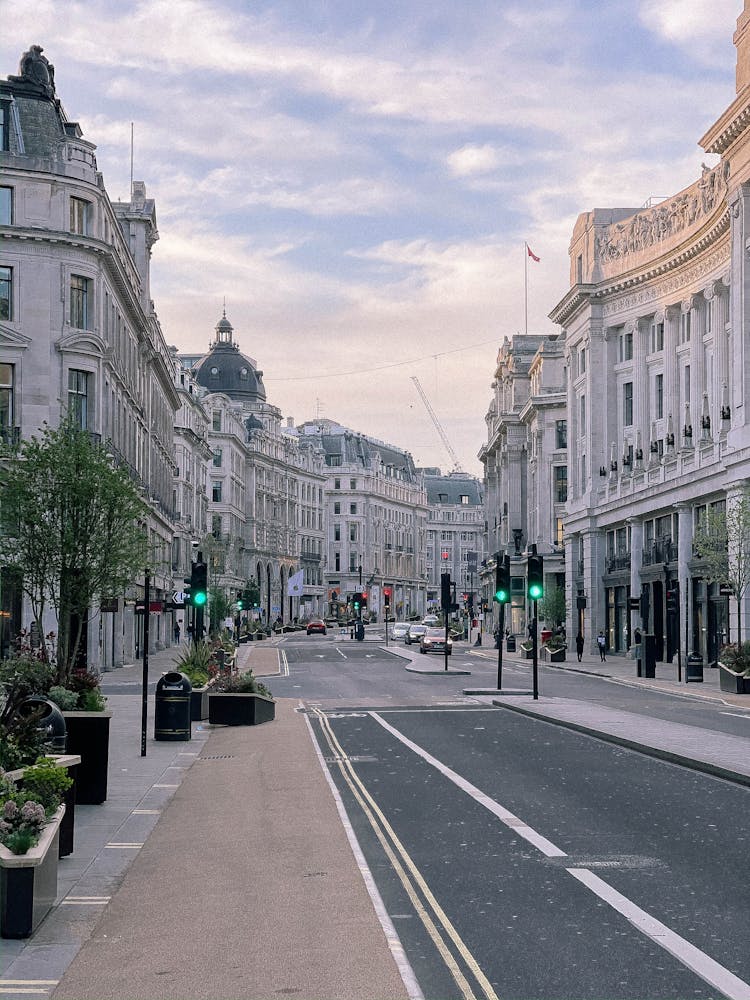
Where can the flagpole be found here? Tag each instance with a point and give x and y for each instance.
(526, 288)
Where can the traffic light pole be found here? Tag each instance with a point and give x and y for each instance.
(501, 632)
(534, 657)
(144, 684)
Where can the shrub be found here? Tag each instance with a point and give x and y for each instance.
(736, 657)
(47, 783)
(22, 816)
(246, 683)
(66, 700)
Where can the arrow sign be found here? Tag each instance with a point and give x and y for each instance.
(178, 597)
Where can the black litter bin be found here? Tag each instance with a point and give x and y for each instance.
(50, 720)
(510, 644)
(359, 632)
(694, 668)
(172, 713)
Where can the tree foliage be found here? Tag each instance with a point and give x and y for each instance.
(722, 543)
(73, 526)
(553, 608)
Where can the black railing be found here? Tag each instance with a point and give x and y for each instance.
(618, 562)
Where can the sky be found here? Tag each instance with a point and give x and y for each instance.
(357, 179)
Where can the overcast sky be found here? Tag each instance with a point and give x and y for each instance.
(357, 179)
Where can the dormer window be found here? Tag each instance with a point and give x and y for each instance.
(243, 373)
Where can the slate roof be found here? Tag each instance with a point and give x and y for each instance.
(448, 490)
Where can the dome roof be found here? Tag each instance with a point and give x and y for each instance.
(225, 369)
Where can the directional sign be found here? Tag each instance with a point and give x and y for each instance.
(178, 597)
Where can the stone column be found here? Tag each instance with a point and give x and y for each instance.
(718, 293)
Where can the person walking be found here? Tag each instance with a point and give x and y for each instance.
(579, 646)
(176, 631)
(602, 644)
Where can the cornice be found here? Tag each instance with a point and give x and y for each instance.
(724, 133)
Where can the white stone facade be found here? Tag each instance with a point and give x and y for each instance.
(455, 536)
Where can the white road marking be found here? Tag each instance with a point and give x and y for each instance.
(693, 958)
(340, 653)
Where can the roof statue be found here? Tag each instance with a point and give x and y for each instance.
(37, 69)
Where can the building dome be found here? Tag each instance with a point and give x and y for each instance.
(225, 369)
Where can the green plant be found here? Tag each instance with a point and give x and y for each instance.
(92, 701)
(21, 740)
(555, 642)
(245, 683)
(552, 607)
(47, 783)
(194, 663)
(736, 657)
(66, 700)
(22, 817)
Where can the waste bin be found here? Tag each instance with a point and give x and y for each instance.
(649, 656)
(545, 635)
(694, 668)
(50, 720)
(510, 644)
(172, 713)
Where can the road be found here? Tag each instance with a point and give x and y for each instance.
(517, 859)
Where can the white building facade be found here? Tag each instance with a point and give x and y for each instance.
(455, 536)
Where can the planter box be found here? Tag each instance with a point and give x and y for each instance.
(28, 882)
(732, 683)
(199, 704)
(556, 655)
(235, 709)
(88, 736)
(527, 654)
(71, 762)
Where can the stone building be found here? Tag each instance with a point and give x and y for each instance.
(658, 405)
(78, 330)
(375, 516)
(455, 534)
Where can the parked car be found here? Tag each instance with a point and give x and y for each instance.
(430, 620)
(316, 625)
(434, 641)
(399, 630)
(415, 633)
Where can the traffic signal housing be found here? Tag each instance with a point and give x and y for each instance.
(387, 596)
(357, 602)
(535, 577)
(199, 584)
(502, 579)
(446, 597)
(241, 600)
(363, 599)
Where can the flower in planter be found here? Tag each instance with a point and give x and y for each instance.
(24, 812)
(736, 658)
(245, 683)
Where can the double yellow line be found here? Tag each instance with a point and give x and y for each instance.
(433, 917)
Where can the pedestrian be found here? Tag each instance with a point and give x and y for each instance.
(602, 644)
(579, 646)
(176, 631)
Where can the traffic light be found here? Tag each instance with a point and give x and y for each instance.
(357, 601)
(387, 596)
(673, 598)
(187, 595)
(241, 600)
(363, 599)
(199, 584)
(535, 577)
(445, 591)
(502, 579)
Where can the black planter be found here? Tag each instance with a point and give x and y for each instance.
(732, 684)
(199, 704)
(557, 655)
(236, 709)
(28, 883)
(88, 736)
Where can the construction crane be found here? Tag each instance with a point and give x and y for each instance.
(438, 427)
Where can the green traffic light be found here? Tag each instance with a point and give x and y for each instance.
(501, 596)
(199, 599)
(535, 591)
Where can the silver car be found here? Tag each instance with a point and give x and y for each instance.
(399, 630)
(415, 633)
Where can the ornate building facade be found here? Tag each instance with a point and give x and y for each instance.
(455, 533)
(658, 405)
(78, 330)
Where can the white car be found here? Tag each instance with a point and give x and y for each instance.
(399, 630)
(430, 620)
(414, 634)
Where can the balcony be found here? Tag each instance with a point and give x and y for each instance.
(618, 562)
(660, 550)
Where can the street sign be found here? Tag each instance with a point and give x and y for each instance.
(178, 597)
(109, 605)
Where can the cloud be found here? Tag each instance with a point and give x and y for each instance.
(469, 160)
(698, 26)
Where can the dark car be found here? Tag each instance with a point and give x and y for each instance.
(316, 625)
(433, 641)
(414, 634)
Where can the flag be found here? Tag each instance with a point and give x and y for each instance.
(531, 254)
(296, 584)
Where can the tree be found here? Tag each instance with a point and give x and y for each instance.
(552, 607)
(722, 543)
(73, 527)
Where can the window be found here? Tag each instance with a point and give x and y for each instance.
(6, 206)
(216, 420)
(687, 383)
(337, 508)
(561, 434)
(353, 562)
(561, 483)
(337, 484)
(579, 269)
(582, 361)
(78, 397)
(659, 396)
(7, 378)
(337, 532)
(216, 525)
(352, 484)
(333, 460)
(4, 125)
(582, 412)
(216, 491)
(217, 458)
(352, 508)
(337, 561)
(559, 533)
(79, 216)
(627, 404)
(79, 301)
(685, 327)
(657, 337)
(6, 293)
(352, 532)
(626, 347)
